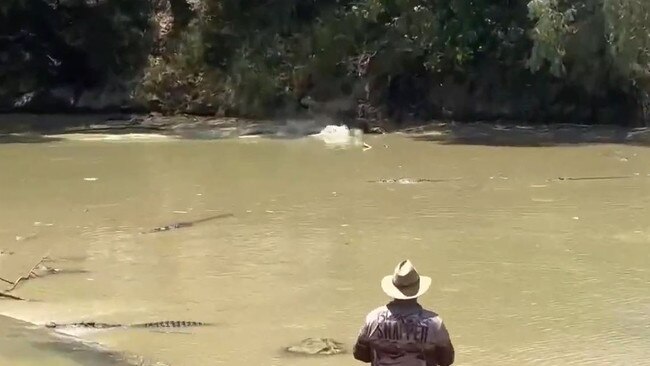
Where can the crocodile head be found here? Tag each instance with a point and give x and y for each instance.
(317, 346)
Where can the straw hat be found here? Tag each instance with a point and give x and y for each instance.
(405, 283)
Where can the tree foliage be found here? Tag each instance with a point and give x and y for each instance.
(46, 43)
(535, 59)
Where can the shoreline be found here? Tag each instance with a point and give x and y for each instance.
(212, 128)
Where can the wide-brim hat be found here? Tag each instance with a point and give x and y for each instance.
(406, 283)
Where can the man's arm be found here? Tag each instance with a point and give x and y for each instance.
(362, 350)
(440, 352)
(444, 351)
(445, 354)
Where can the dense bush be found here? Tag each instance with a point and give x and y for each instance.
(544, 60)
(78, 43)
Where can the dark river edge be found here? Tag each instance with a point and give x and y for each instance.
(28, 128)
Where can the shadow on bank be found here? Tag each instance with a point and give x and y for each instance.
(485, 134)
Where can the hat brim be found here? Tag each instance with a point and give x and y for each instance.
(394, 292)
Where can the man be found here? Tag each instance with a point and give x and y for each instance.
(402, 333)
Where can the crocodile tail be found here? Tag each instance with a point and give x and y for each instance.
(169, 324)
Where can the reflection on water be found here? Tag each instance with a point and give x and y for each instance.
(527, 270)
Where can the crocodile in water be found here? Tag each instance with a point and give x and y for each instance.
(161, 324)
(317, 346)
(410, 180)
(596, 178)
(43, 270)
(179, 225)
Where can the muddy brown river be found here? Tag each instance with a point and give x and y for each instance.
(527, 269)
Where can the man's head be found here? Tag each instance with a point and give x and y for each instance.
(405, 283)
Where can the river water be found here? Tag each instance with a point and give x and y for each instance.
(527, 269)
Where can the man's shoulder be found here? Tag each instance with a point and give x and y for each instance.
(426, 313)
(382, 311)
(432, 317)
(375, 313)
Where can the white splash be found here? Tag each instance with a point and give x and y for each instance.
(340, 136)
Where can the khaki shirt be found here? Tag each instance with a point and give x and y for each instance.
(405, 335)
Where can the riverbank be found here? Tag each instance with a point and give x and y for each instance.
(24, 126)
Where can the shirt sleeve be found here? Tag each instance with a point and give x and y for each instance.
(364, 332)
(444, 350)
(369, 325)
(442, 337)
(361, 350)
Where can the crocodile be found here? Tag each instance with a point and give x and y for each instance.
(317, 346)
(596, 178)
(97, 325)
(34, 345)
(410, 180)
(184, 224)
(43, 270)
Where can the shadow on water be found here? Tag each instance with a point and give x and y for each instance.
(523, 136)
(27, 139)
